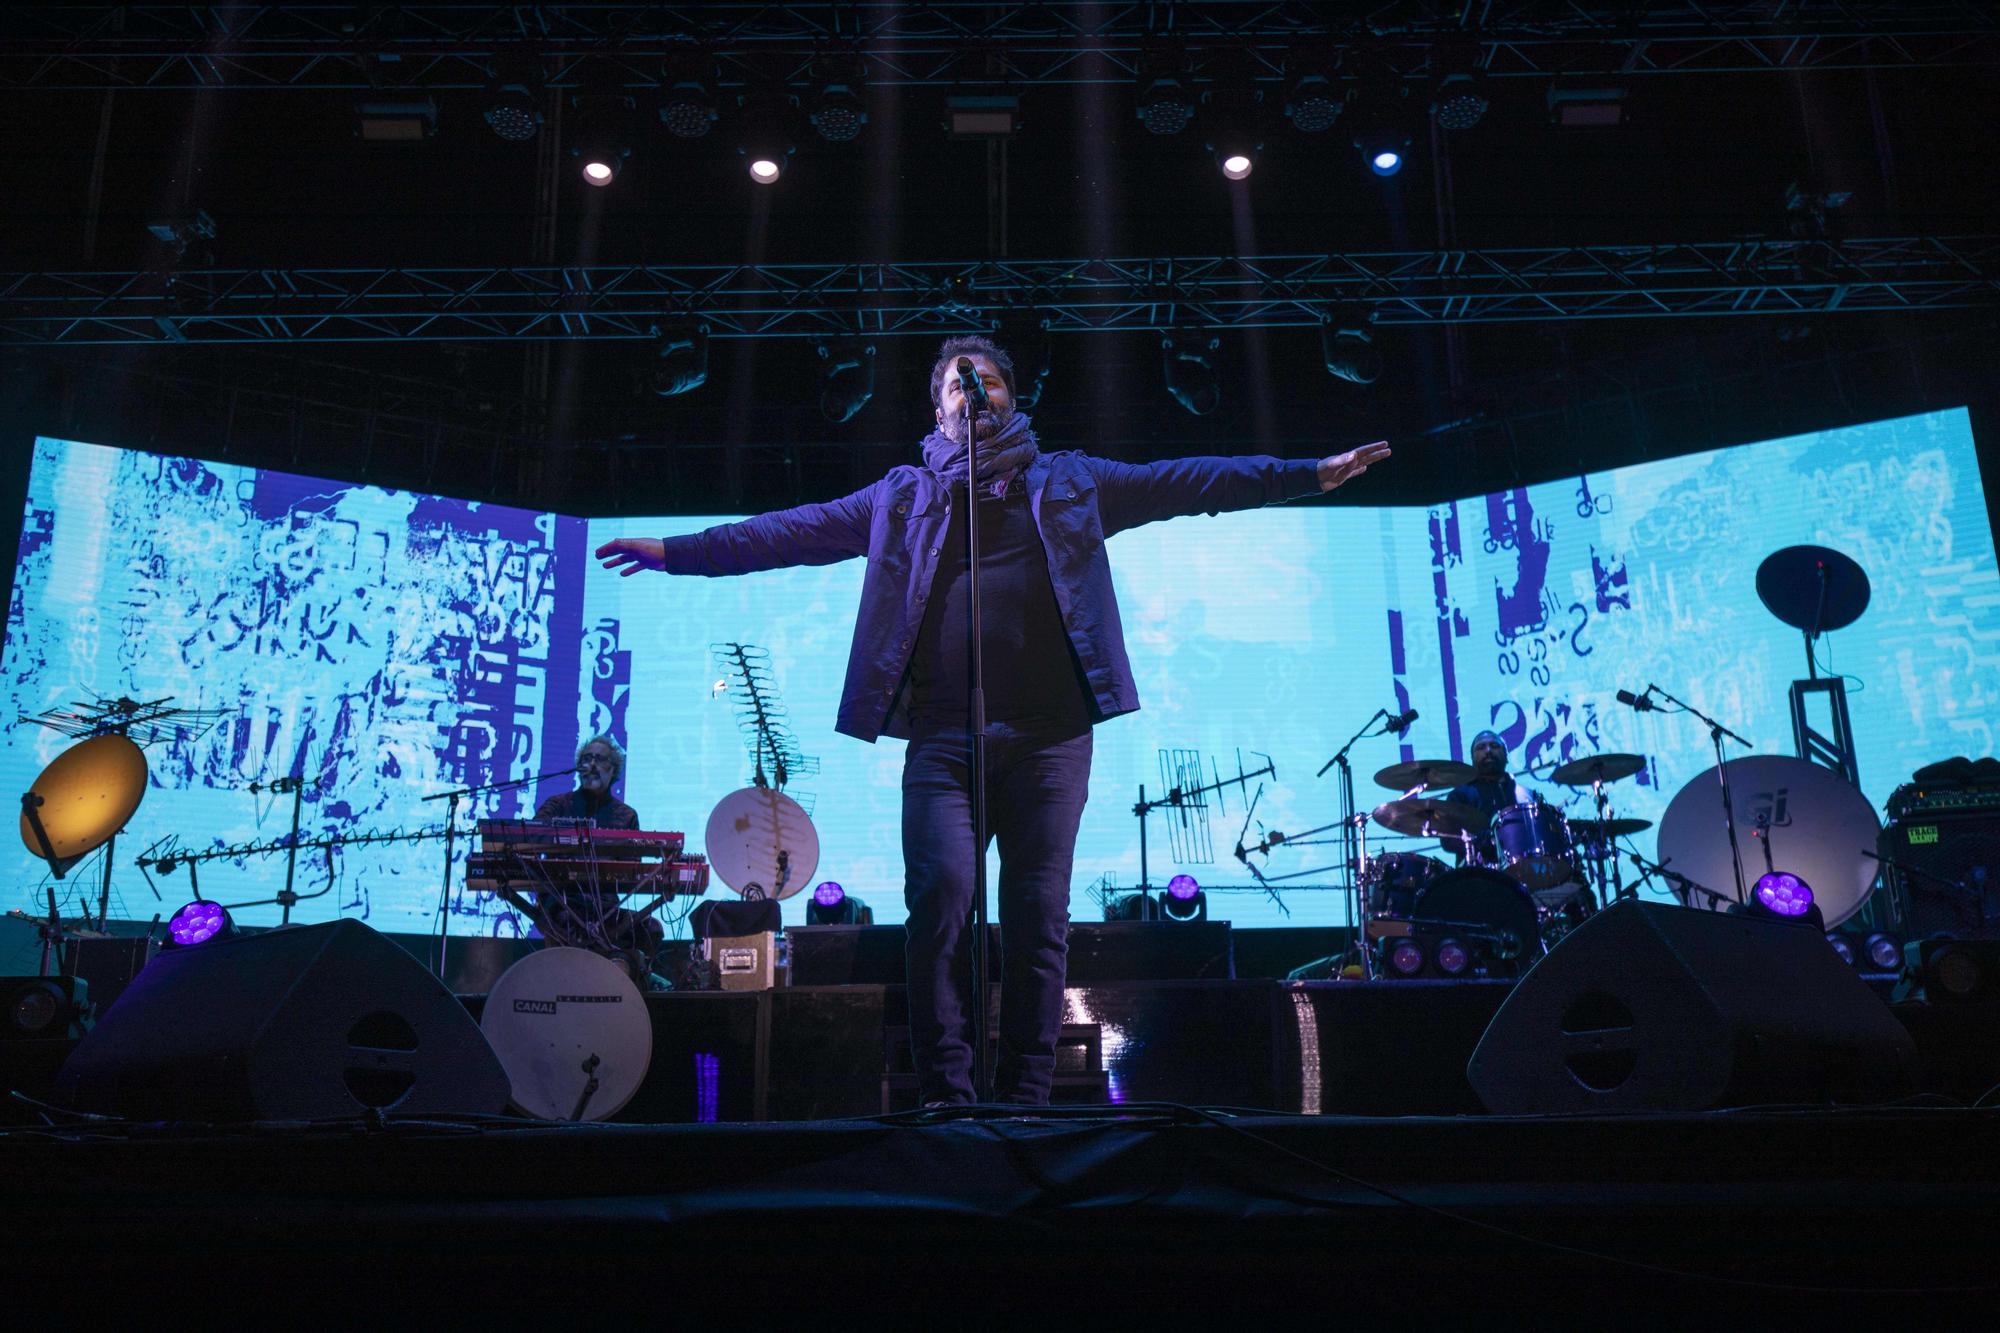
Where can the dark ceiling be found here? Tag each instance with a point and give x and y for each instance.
(1700, 157)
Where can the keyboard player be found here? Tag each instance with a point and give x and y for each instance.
(596, 918)
(600, 762)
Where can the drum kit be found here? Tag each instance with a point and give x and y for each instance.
(1523, 878)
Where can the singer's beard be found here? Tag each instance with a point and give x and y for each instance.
(1490, 768)
(987, 423)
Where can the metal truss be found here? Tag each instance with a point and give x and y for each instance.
(1743, 277)
(441, 47)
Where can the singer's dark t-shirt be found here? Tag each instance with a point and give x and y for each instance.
(1032, 680)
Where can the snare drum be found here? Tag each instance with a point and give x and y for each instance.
(1533, 846)
(1393, 880)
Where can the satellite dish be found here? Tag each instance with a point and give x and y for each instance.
(761, 843)
(87, 794)
(560, 1018)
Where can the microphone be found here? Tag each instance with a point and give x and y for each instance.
(1638, 701)
(1400, 723)
(972, 387)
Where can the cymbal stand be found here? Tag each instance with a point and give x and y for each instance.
(1352, 839)
(1716, 731)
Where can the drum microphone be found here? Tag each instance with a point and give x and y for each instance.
(1400, 723)
(1638, 701)
(972, 387)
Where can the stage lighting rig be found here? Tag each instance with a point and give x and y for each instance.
(402, 120)
(1347, 347)
(832, 906)
(837, 110)
(1184, 900)
(197, 923)
(1165, 103)
(1188, 361)
(603, 140)
(680, 360)
(1235, 123)
(765, 139)
(1779, 896)
(1459, 97)
(1380, 116)
(688, 105)
(513, 84)
(1313, 104)
(847, 378)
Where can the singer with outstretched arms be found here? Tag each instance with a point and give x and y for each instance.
(1055, 666)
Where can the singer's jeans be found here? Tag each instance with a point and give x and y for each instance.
(1035, 790)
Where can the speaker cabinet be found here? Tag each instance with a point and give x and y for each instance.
(1653, 1008)
(1955, 857)
(302, 1023)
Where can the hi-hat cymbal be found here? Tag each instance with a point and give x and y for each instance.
(1598, 768)
(1424, 773)
(1592, 830)
(87, 794)
(1429, 817)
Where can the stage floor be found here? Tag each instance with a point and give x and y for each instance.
(1766, 1216)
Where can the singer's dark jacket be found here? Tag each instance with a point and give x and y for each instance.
(899, 523)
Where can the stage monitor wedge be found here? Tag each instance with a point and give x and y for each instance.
(1647, 1007)
(301, 1023)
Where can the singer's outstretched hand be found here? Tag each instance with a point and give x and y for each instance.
(629, 555)
(1343, 468)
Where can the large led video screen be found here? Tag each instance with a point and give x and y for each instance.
(389, 647)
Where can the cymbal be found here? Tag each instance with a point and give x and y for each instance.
(1591, 830)
(1598, 768)
(1424, 773)
(88, 793)
(1430, 817)
(1813, 588)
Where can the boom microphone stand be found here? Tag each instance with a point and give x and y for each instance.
(1350, 839)
(974, 393)
(1716, 731)
(450, 835)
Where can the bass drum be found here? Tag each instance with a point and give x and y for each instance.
(1487, 908)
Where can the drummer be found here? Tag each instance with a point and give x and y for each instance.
(1491, 790)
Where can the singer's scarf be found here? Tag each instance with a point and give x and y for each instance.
(1003, 455)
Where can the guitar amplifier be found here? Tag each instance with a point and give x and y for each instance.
(1952, 882)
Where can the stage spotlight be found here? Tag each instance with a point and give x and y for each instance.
(1166, 105)
(1313, 103)
(1882, 952)
(1406, 957)
(982, 115)
(1785, 895)
(1459, 101)
(1586, 108)
(680, 360)
(197, 923)
(514, 80)
(1347, 347)
(837, 111)
(1453, 957)
(1184, 900)
(766, 141)
(603, 138)
(848, 378)
(32, 1007)
(832, 906)
(1235, 125)
(688, 106)
(396, 121)
(1843, 948)
(1381, 127)
(1236, 165)
(1189, 365)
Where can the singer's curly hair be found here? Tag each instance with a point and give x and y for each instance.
(969, 344)
(617, 753)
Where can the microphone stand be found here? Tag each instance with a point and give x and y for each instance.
(982, 1066)
(450, 835)
(1716, 731)
(1688, 888)
(1350, 839)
